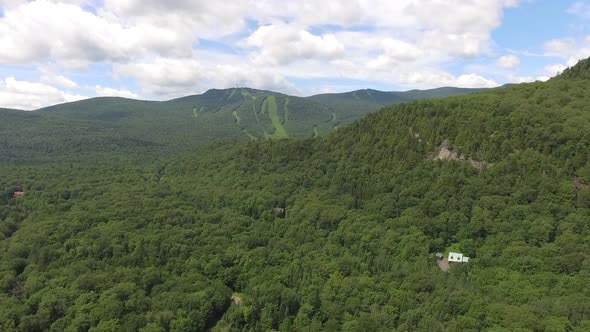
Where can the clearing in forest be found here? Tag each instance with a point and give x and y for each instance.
(443, 264)
(237, 117)
(270, 104)
(316, 131)
(286, 110)
(201, 110)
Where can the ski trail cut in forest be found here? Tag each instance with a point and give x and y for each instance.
(273, 114)
(237, 117)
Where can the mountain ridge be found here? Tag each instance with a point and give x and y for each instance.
(433, 92)
(218, 115)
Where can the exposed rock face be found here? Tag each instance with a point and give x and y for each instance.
(279, 212)
(235, 299)
(446, 152)
(479, 164)
(579, 185)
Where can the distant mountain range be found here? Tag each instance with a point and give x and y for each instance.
(118, 124)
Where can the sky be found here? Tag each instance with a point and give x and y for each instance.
(60, 51)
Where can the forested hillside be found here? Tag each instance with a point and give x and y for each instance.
(351, 104)
(160, 129)
(121, 126)
(201, 241)
(579, 71)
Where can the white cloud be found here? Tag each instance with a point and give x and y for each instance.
(170, 78)
(569, 49)
(127, 29)
(452, 17)
(156, 43)
(283, 44)
(463, 45)
(526, 79)
(508, 62)
(457, 28)
(554, 69)
(252, 77)
(15, 3)
(31, 95)
(474, 81)
(438, 79)
(164, 76)
(65, 32)
(59, 80)
(196, 17)
(559, 47)
(110, 92)
(396, 52)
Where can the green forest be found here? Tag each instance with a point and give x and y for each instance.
(107, 126)
(330, 233)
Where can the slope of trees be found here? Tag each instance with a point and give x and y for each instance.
(579, 71)
(194, 243)
(162, 129)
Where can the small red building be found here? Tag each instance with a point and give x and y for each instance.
(18, 193)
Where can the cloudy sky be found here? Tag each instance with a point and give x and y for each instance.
(59, 51)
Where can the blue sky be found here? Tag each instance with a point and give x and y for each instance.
(56, 52)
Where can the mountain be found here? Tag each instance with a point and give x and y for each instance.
(351, 104)
(128, 126)
(241, 112)
(132, 126)
(41, 136)
(334, 233)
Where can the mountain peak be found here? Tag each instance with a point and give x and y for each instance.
(238, 90)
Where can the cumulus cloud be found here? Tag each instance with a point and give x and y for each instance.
(197, 17)
(554, 69)
(396, 52)
(508, 62)
(465, 28)
(474, 81)
(58, 80)
(164, 71)
(129, 29)
(437, 79)
(31, 95)
(170, 77)
(253, 77)
(102, 91)
(157, 43)
(559, 47)
(526, 79)
(65, 32)
(462, 45)
(283, 44)
(571, 50)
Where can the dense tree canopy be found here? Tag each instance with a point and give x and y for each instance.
(194, 242)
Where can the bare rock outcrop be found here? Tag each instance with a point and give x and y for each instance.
(447, 152)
